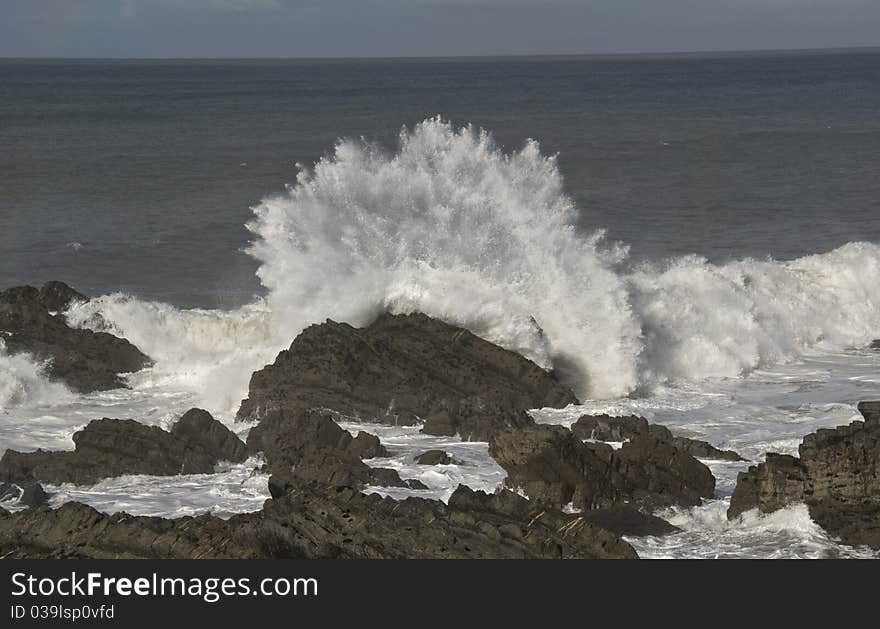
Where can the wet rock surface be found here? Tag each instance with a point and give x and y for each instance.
(769, 486)
(23, 493)
(113, 447)
(309, 447)
(403, 369)
(837, 476)
(85, 361)
(625, 520)
(607, 428)
(314, 522)
(552, 466)
(434, 457)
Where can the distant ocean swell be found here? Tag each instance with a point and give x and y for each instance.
(452, 226)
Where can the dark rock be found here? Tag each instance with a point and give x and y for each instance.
(58, 296)
(837, 476)
(625, 520)
(284, 436)
(875, 344)
(777, 482)
(318, 523)
(705, 450)
(112, 447)
(211, 440)
(403, 369)
(367, 446)
(658, 474)
(843, 480)
(27, 493)
(552, 466)
(607, 428)
(870, 411)
(434, 457)
(85, 361)
(308, 447)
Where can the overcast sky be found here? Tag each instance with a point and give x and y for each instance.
(355, 28)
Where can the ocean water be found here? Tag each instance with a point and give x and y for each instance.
(695, 239)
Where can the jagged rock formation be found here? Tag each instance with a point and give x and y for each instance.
(403, 369)
(112, 447)
(85, 361)
(313, 522)
(307, 446)
(552, 466)
(837, 476)
(607, 428)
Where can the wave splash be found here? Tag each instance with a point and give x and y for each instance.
(23, 382)
(452, 226)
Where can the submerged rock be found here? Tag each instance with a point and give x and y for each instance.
(554, 467)
(319, 523)
(837, 476)
(85, 361)
(434, 457)
(113, 447)
(403, 369)
(607, 428)
(26, 493)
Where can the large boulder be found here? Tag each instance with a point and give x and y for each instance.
(777, 482)
(626, 520)
(607, 428)
(284, 435)
(434, 457)
(322, 523)
(113, 447)
(552, 466)
(837, 476)
(309, 447)
(404, 369)
(85, 361)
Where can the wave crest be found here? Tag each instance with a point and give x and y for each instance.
(452, 226)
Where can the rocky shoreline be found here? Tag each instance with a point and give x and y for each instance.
(569, 492)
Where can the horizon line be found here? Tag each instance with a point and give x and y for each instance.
(503, 56)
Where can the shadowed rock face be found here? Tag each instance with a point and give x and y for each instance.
(319, 523)
(23, 493)
(554, 467)
(777, 482)
(85, 361)
(402, 369)
(307, 446)
(607, 428)
(112, 447)
(837, 475)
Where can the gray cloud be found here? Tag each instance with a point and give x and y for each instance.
(309, 28)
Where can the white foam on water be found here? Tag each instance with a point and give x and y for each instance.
(750, 355)
(234, 488)
(472, 466)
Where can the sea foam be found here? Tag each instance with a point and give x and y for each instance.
(450, 225)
